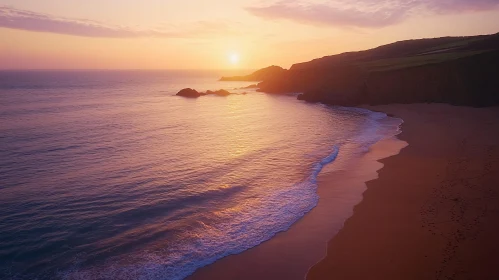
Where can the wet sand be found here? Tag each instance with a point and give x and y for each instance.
(433, 213)
(289, 255)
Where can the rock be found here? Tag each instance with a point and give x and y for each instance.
(189, 92)
(221, 92)
(192, 93)
(250, 86)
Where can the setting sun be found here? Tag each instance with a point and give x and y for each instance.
(234, 58)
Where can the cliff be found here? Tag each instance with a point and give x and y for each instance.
(455, 70)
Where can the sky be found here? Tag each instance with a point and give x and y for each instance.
(220, 34)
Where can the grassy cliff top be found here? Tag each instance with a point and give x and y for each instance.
(404, 54)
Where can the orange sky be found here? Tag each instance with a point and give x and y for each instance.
(198, 34)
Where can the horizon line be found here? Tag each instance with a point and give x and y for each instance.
(121, 69)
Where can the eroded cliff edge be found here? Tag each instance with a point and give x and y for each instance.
(454, 70)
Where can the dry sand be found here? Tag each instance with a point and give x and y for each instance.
(434, 211)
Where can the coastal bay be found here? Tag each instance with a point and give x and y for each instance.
(249, 140)
(429, 214)
(290, 254)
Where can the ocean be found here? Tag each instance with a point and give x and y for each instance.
(109, 175)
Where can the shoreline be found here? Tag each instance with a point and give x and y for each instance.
(291, 254)
(433, 211)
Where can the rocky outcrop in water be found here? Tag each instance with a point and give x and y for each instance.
(253, 86)
(220, 92)
(189, 92)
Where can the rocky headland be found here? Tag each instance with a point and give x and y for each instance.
(454, 70)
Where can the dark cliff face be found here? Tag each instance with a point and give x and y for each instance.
(470, 81)
(455, 70)
(336, 78)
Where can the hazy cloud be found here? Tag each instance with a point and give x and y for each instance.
(454, 6)
(31, 21)
(363, 13)
(324, 14)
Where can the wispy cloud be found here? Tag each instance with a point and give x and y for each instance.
(363, 13)
(327, 14)
(26, 20)
(455, 6)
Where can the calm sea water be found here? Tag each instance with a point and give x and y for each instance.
(108, 175)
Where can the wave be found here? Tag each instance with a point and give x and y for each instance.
(238, 229)
(379, 126)
(241, 231)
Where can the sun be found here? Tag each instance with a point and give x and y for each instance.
(234, 58)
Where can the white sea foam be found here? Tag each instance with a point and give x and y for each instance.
(259, 222)
(244, 228)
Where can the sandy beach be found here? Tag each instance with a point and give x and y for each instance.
(433, 211)
(290, 254)
(431, 214)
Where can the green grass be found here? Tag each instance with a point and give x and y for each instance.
(453, 45)
(413, 61)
